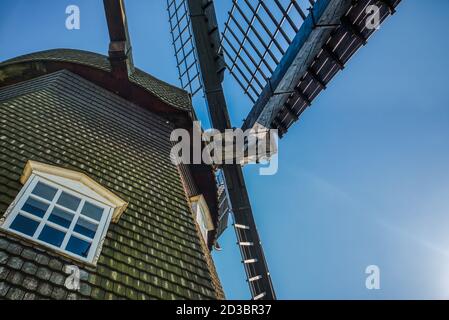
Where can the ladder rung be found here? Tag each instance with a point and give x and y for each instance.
(254, 278)
(241, 226)
(260, 296)
(246, 243)
(250, 261)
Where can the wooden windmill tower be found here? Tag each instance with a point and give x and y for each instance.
(282, 54)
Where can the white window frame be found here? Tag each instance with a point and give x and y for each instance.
(202, 216)
(102, 225)
(201, 220)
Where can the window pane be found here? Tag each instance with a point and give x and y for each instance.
(35, 207)
(52, 236)
(69, 201)
(78, 246)
(24, 225)
(85, 228)
(44, 191)
(92, 211)
(61, 217)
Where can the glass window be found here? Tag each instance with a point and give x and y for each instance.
(35, 207)
(61, 217)
(24, 225)
(44, 191)
(201, 211)
(85, 228)
(68, 201)
(202, 223)
(92, 211)
(52, 236)
(52, 215)
(78, 246)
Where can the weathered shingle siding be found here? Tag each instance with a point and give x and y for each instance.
(154, 250)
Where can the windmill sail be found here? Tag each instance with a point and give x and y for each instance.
(182, 40)
(283, 62)
(256, 36)
(282, 53)
(210, 62)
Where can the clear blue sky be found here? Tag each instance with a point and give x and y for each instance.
(363, 176)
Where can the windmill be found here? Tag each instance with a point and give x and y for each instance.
(282, 54)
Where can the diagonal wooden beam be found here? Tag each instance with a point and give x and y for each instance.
(205, 31)
(120, 51)
(296, 61)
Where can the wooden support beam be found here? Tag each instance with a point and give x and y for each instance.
(390, 6)
(202, 15)
(316, 78)
(303, 96)
(290, 111)
(120, 51)
(353, 29)
(305, 46)
(333, 56)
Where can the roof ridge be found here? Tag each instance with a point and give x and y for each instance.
(168, 93)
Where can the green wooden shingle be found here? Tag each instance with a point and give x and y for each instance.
(154, 251)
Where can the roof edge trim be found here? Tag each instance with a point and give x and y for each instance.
(35, 166)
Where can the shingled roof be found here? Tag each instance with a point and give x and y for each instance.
(169, 94)
(159, 97)
(154, 251)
